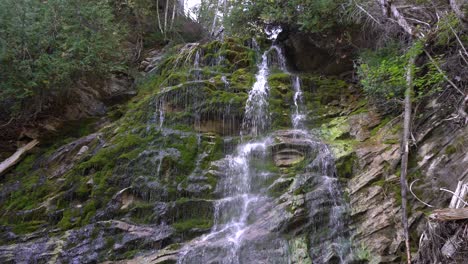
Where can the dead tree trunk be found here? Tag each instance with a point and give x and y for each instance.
(404, 154)
(15, 158)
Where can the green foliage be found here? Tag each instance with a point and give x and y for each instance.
(447, 28)
(28, 227)
(382, 72)
(49, 45)
(309, 15)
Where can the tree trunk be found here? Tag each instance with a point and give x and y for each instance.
(159, 17)
(404, 154)
(174, 9)
(165, 18)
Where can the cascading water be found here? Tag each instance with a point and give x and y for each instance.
(256, 118)
(247, 219)
(334, 243)
(298, 116)
(240, 189)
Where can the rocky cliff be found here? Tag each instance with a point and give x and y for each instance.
(146, 185)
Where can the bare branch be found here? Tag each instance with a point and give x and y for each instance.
(445, 190)
(458, 39)
(16, 157)
(367, 13)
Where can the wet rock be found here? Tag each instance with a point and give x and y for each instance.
(89, 244)
(287, 157)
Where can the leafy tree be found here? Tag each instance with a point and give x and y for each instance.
(49, 45)
(306, 15)
(383, 74)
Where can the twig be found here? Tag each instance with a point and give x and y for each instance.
(411, 190)
(419, 21)
(16, 157)
(442, 189)
(442, 72)
(453, 202)
(458, 39)
(463, 57)
(7, 123)
(367, 13)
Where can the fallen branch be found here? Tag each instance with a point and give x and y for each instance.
(16, 157)
(449, 214)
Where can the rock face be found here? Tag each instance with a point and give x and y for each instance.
(368, 156)
(157, 185)
(87, 244)
(87, 99)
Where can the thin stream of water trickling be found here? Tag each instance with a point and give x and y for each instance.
(238, 197)
(325, 164)
(256, 118)
(299, 115)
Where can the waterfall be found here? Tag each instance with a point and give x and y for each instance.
(299, 115)
(334, 244)
(256, 118)
(239, 188)
(247, 219)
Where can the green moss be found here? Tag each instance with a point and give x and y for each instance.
(130, 254)
(28, 227)
(189, 224)
(142, 212)
(391, 141)
(345, 166)
(188, 149)
(280, 100)
(110, 241)
(26, 164)
(450, 150)
(89, 211)
(241, 80)
(105, 157)
(66, 221)
(265, 165)
(279, 77)
(336, 128)
(33, 189)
